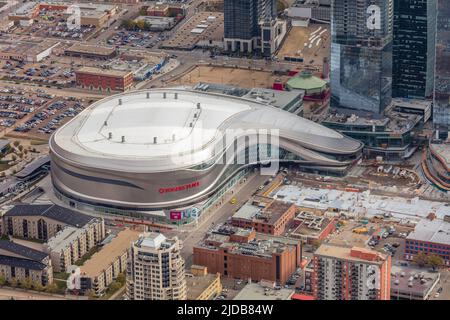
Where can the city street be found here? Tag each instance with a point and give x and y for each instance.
(220, 215)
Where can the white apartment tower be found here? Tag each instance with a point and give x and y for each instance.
(156, 269)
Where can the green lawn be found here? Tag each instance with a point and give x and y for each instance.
(86, 257)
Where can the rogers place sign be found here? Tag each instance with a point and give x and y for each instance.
(183, 187)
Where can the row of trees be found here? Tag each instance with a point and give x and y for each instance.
(116, 285)
(430, 260)
(139, 25)
(28, 284)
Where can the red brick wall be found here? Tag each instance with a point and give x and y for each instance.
(244, 267)
(114, 83)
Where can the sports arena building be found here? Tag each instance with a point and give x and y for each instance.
(168, 154)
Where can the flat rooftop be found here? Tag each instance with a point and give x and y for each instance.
(91, 49)
(247, 212)
(26, 47)
(361, 203)
(310, 224)
(109, 253)
(255, 291)
(64, 238)
(102, 72)
(417, 282)
(277, 98)
(435, 231)
(344, 253)
(262, 246)
(412, 103)
(197, 284)
(189, 34)
(394, 121)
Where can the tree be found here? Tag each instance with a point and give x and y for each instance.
(37, 286)
(114, 286)
(435, 261)
(2, 280)
(91, 294)
(26, 284)
(51, 288)
(121, 278)
(140, 24)
(20, 147)
(420, 259)
(13, 282)
(143, 11)
(16, 143)
(14, 157)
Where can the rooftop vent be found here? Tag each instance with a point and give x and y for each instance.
(123, 139)
(164, 95)
(155, 140)
(148, 95)
(110, 135)
(176, 95)
(198, 105)
(105, 123)
(120, 102)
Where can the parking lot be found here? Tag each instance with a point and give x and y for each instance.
(46, 121)
(45, 74)
(135, 39)
(54, 25)
(15, 105)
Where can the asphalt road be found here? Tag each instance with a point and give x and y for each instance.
(8, 294)
(221, 215)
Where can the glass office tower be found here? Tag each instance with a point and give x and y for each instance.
(243, 21)
(361, 54)
(414, 53)
(441, 109)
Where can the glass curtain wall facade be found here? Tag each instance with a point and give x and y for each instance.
(242, 23)
(414, 53)
(441, 109)
(241, 19)
(361, 54)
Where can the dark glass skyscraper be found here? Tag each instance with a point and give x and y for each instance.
(414, 54)
(243, 21)
(441, 109)
(361, 54)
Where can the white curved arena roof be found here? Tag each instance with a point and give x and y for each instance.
(158, 126)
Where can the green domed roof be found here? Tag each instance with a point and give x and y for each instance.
(306, 81)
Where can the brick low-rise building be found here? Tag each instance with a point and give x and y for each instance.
(103, 79)
(271, 219)
(429, 237)
(244, 254)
